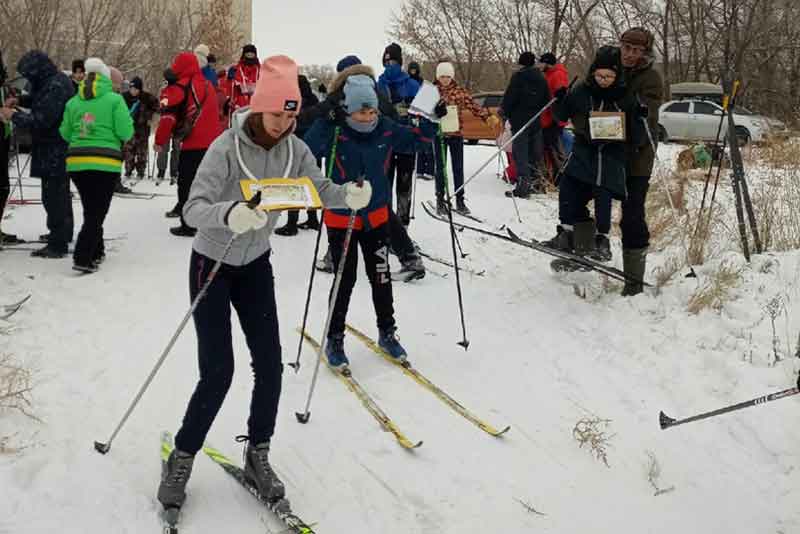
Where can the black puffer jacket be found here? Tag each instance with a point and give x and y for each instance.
(309, 102)
(50, 91)
(526, 95)
(600, 163)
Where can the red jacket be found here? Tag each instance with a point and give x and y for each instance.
(243, 84)
(557, 78)
(208, 125)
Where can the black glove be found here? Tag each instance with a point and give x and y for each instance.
(560, 94)
(441, 109)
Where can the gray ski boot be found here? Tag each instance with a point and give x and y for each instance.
(260, 473)
(175, 476)
(413, 268)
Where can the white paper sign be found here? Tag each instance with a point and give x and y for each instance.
(427, 98)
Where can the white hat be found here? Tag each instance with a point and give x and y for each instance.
(445, 69)
(202, 50)
(96, 65)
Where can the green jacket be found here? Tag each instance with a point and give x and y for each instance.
(645, 83)
(96, 124)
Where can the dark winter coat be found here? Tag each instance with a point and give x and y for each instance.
(415, 72)
(309, 102)
(527, 93)
(3, 73)
(142, 108)
(646, 83)
(51, 89)
(598, 163)
(366, 155)
(399, 88)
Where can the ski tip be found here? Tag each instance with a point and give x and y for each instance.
(102, 448)
(665, 421)
(303, 418)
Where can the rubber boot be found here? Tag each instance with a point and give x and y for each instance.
(584, 237)
(634, 261)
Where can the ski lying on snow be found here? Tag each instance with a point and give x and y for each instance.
(611, 272)
(418, 377)
(470, 217)
(8, 310)
(369, 403)
(137, 196)
(281, 508)
(169, 515)
(450, 264)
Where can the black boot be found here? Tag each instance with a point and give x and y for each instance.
(183, 231)
(584, 237)
(522, 189)
(312, 223)
(634, 261)
(441, 206)
(602, 249)
(121, 189)
(461, 207)
(563, 240)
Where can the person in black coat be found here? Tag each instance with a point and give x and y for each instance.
(527, 94)
(50, 91)
(309, 102)
(5, 146)
(596, 168)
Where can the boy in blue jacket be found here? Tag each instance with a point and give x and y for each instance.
(364, 143)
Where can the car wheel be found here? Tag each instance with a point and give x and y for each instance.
(662, 134)
(742, 135)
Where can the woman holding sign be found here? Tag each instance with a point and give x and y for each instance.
(604, 120)
(261, 141)
(458, 101)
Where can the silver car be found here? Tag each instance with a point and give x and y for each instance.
(699, 120)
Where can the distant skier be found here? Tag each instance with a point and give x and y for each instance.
(141, 106)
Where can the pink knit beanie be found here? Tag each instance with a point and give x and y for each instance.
(276, 89)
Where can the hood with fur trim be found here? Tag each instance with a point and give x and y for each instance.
(338, 83)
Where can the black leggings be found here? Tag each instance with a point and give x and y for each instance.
(633, 224)
(96, 189)
(375, 249)
(251, 290)
(188, 164)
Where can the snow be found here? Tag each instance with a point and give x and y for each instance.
(540, 359)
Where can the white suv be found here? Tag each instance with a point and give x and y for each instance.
(698, 120)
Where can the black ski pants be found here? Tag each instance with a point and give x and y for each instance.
(251, 290)
(187, 169)
(58, 206)
(173, 155)
(96, 189)
(528, 152)
(374, 245)
(455, 146)
(573, 200)
(635, 234)
(402, 165)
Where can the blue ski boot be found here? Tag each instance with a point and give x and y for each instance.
(334, 350)
(388, 342)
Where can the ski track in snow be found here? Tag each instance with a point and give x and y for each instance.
(540, 359)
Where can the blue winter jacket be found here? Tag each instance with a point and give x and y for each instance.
(399, 88)
(210, 74)
(367, 155)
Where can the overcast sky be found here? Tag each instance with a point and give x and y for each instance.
(323, 32)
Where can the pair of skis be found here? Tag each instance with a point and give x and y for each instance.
(170, 517)
(7, 310)
(375, 410)
(580, 261)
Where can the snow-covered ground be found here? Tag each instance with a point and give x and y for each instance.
(541, 359)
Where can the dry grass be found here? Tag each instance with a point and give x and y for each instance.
(15, 389)
(654, 474)
(667, 272)
(715, 291)
(594, 433)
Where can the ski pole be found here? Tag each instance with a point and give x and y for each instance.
(453, 240)
(414, 188)
(674, 210)
(296, 364)
(306, 414)
(103, 448)
(667, 422)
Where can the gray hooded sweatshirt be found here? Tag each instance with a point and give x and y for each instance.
(232, 157)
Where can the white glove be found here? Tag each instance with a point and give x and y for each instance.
(242, 218)
(357, 197)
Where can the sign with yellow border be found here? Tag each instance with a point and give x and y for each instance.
(279, 194)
